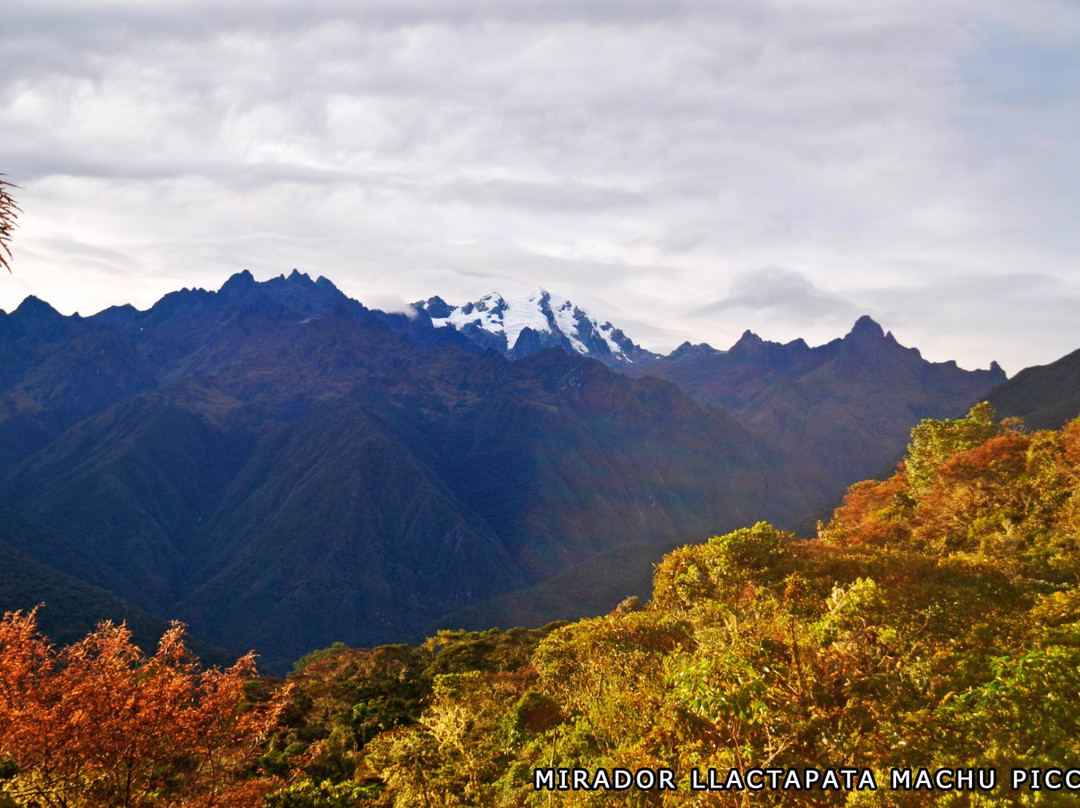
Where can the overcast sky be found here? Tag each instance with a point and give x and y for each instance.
(687, 170)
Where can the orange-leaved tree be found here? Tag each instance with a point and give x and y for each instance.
(99, 723)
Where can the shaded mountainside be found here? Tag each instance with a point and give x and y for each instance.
(281, 467)
(835, 413)
(590, 588)
(1046, 397)
(71, 608)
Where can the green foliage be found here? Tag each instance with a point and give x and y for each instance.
(317, 656)
(325, 794)
(934, 442)
(1025, 715)
(851, 612)
(343, 699)
(934, 623)
(725, 566)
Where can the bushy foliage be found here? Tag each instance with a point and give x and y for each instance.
(353, 716)
(99, 723)
(979, 489)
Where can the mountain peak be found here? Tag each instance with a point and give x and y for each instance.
(866, 326)
(521, 325)
(34, 308)
(239, 283)
(747, 341)
(689, 351)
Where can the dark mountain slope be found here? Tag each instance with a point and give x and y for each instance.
(836, 413)
(56, 371)
(65, 554)
(131, 485)
(72, 607)
(588, 459)
(1046, 397)
(591, 588)
(300, 470)
(334, 529)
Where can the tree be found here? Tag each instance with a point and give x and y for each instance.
(8, 212)
(934, 442)
(99, 723)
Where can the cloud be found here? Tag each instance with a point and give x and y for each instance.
(635, 154)
(782, 291)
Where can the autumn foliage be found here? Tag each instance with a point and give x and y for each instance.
(99, 723)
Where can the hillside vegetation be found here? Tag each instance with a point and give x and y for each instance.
(934, 622)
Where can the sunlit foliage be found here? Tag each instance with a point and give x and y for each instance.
(99, 723)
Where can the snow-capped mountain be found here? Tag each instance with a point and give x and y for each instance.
(521, 326)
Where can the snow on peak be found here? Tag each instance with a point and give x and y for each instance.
(500, 315)
(556, 320)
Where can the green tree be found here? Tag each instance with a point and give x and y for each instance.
(934, 442)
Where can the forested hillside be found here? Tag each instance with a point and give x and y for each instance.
(281, 467)
(935, 622)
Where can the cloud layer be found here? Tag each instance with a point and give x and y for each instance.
(686, 169)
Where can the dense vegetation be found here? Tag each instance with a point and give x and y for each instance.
(934, 622)
(100, 724)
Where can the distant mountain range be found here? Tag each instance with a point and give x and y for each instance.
(282, 467)
(835, 413)
(1045, 396)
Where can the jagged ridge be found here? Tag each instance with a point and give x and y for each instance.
(526, 325)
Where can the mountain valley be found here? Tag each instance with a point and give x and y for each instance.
(282, 468)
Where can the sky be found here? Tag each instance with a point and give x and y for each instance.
(687, 170)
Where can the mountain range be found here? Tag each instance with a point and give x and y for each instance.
(834, 414)
(281, 467)
(1045, 396)
(525, 325)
